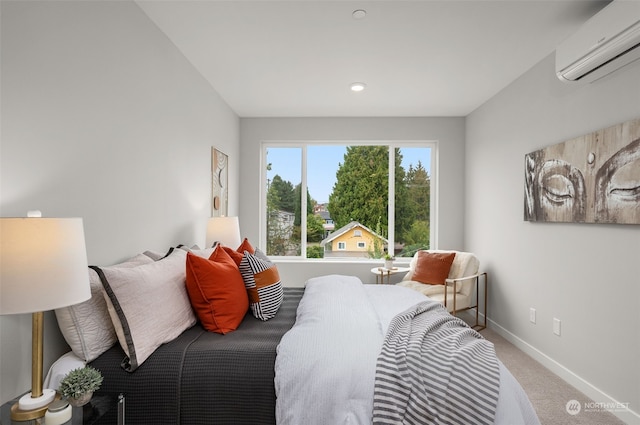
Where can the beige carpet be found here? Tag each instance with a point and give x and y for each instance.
(548, 393)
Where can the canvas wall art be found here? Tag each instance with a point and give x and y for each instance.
(219, 186)
(594, 178)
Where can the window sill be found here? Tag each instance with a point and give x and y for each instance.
(369, 263)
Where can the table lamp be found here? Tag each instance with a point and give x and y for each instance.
(43, 266)
(225, 230)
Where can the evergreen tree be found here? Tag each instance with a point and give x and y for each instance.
(418, 189)
(280, 197)
(361, 189)
(284, 191)
(315, 230)
(403, 215)
(419, 192)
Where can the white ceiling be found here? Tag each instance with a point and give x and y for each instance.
(418, 58)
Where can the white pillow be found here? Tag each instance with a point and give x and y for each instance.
(155, 255)
(204, 253)
(60, 368)
(148, 305)
(87, 327)
(195, 249)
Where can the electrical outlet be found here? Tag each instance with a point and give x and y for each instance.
(556, 326)
(532, 315)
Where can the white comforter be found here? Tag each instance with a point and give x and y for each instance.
(325, 365)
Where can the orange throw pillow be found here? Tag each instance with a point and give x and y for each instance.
(216, 291)
(433, 267)
(238, 254)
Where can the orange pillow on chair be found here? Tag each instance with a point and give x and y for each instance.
(433, 267)
(216, 291)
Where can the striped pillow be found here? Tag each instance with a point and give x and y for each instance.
(263, 284)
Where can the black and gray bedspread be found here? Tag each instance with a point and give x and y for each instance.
(203, 377)
(434, 369)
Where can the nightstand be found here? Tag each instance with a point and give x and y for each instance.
(102, 409)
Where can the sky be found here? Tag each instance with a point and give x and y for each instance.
(323, 161)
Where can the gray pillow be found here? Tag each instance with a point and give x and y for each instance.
(87, 326)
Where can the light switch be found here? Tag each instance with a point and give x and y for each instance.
(556, 326)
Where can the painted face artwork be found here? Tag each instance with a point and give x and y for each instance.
(591, 179)
(618, 186)
(559, 191)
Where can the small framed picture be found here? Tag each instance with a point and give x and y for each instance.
(219, 183)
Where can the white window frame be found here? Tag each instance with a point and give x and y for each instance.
(342, 246)
(362, 245)
(303, 144)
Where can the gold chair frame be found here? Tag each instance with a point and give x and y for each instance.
(454, 282)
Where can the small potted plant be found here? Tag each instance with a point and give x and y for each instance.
(79, 384)
(388, 261)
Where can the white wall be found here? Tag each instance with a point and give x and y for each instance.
(103, 118)
(586, 275)
(449, 132)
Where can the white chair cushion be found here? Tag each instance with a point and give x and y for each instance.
(462, 301)
(426, 289)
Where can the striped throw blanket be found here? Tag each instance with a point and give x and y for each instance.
(434, 369)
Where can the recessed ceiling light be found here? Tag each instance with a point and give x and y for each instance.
(357, 86)
(359, 14)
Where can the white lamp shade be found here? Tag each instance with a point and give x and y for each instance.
(225, 230)
(43, 264)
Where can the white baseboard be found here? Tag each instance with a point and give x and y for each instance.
(626, 415)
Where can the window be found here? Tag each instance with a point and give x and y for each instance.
(378, 192)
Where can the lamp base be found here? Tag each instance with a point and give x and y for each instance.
(28, 407)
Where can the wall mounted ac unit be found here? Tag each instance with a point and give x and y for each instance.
(606, 42)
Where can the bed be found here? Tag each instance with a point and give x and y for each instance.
(317, 361)
(328, 365)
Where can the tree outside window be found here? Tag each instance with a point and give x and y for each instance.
(352, 185)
